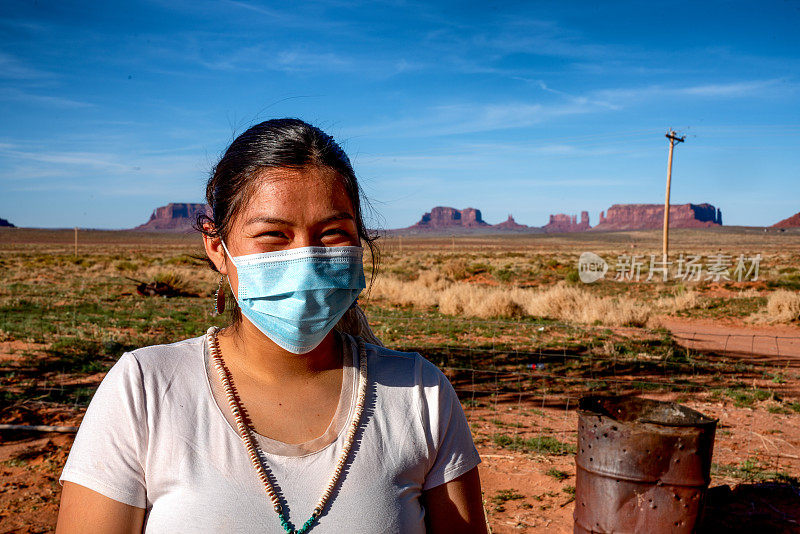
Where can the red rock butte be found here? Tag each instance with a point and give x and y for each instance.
(791, 222)
(442, 217)
(174, 217)
(651, 216)
(618, 217)
(179, 217)
(561, 222)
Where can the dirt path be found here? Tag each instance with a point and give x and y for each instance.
(776, 344)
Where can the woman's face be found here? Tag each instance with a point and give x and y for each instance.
(289, 209)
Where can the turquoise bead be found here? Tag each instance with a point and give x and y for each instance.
(305, 528)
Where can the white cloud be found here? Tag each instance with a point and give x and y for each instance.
(454, 119)
(11, 68)
(18, 95)
(738, 89)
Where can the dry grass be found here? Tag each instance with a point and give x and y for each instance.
(445, 289)
(575, 304)
(559, 302)
(478, 276)
(475, 301)
(783, 306)
(422, 292)
(684, 300)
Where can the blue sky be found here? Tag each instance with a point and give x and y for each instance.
(528, 108)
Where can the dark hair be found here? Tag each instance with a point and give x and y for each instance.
(278, 143)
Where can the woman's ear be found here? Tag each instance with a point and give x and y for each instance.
(214, 250)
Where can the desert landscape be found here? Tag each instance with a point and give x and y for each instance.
(585, 214)
(505, 315)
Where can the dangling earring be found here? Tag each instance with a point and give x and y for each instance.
(219, 298)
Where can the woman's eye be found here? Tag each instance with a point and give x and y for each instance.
(273, 234)
(336, 235)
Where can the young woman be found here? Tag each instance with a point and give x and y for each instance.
(293, 418)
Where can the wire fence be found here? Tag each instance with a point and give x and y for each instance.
(520, 381)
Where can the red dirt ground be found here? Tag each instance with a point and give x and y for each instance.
(778, 342)
(31, 465)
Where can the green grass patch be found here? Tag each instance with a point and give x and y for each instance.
(753, 470)
(538, 444)
(746, 397)
(501, 497)
(557, 474)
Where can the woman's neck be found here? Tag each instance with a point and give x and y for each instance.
(247, 348)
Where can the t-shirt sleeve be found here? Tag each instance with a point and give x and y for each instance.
(453, 450)
(108, 455)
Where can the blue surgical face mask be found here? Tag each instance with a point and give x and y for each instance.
(296, 296)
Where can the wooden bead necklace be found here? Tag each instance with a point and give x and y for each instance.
(246, 433)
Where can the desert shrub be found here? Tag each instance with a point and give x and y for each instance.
(183, 259)
(433, 280)
(783, 306)
(126, 266)
(474, 301)
(573, 276)
(478, 268)
(415, 293)
(403, 272)
(506, 274)
(574, 304)
(561, 302)
(457, 269)
(683, 299)
(551, 263)
(787, 281)
(173, 280)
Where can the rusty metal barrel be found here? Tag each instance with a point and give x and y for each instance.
(642, 466)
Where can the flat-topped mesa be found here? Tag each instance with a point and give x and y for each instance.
(618, 217)
(651, 216)
(4, 223)
(174, 217)
(444, 217)
(561, 222)
(790, 222)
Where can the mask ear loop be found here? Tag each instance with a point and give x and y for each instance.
(234, 264)
(226, 250)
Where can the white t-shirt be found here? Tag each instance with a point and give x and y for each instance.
(155, 437)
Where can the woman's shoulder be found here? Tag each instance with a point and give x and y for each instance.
(163, 360)
(385, 352)
(404, 368)
(155, 353)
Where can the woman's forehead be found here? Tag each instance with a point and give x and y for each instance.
(294, 194)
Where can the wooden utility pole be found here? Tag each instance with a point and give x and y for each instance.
(672, 140)
(76, 241)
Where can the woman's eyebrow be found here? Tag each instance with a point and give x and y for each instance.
(267, 220)
(342, 215)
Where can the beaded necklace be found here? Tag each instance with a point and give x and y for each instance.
(246, 433)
